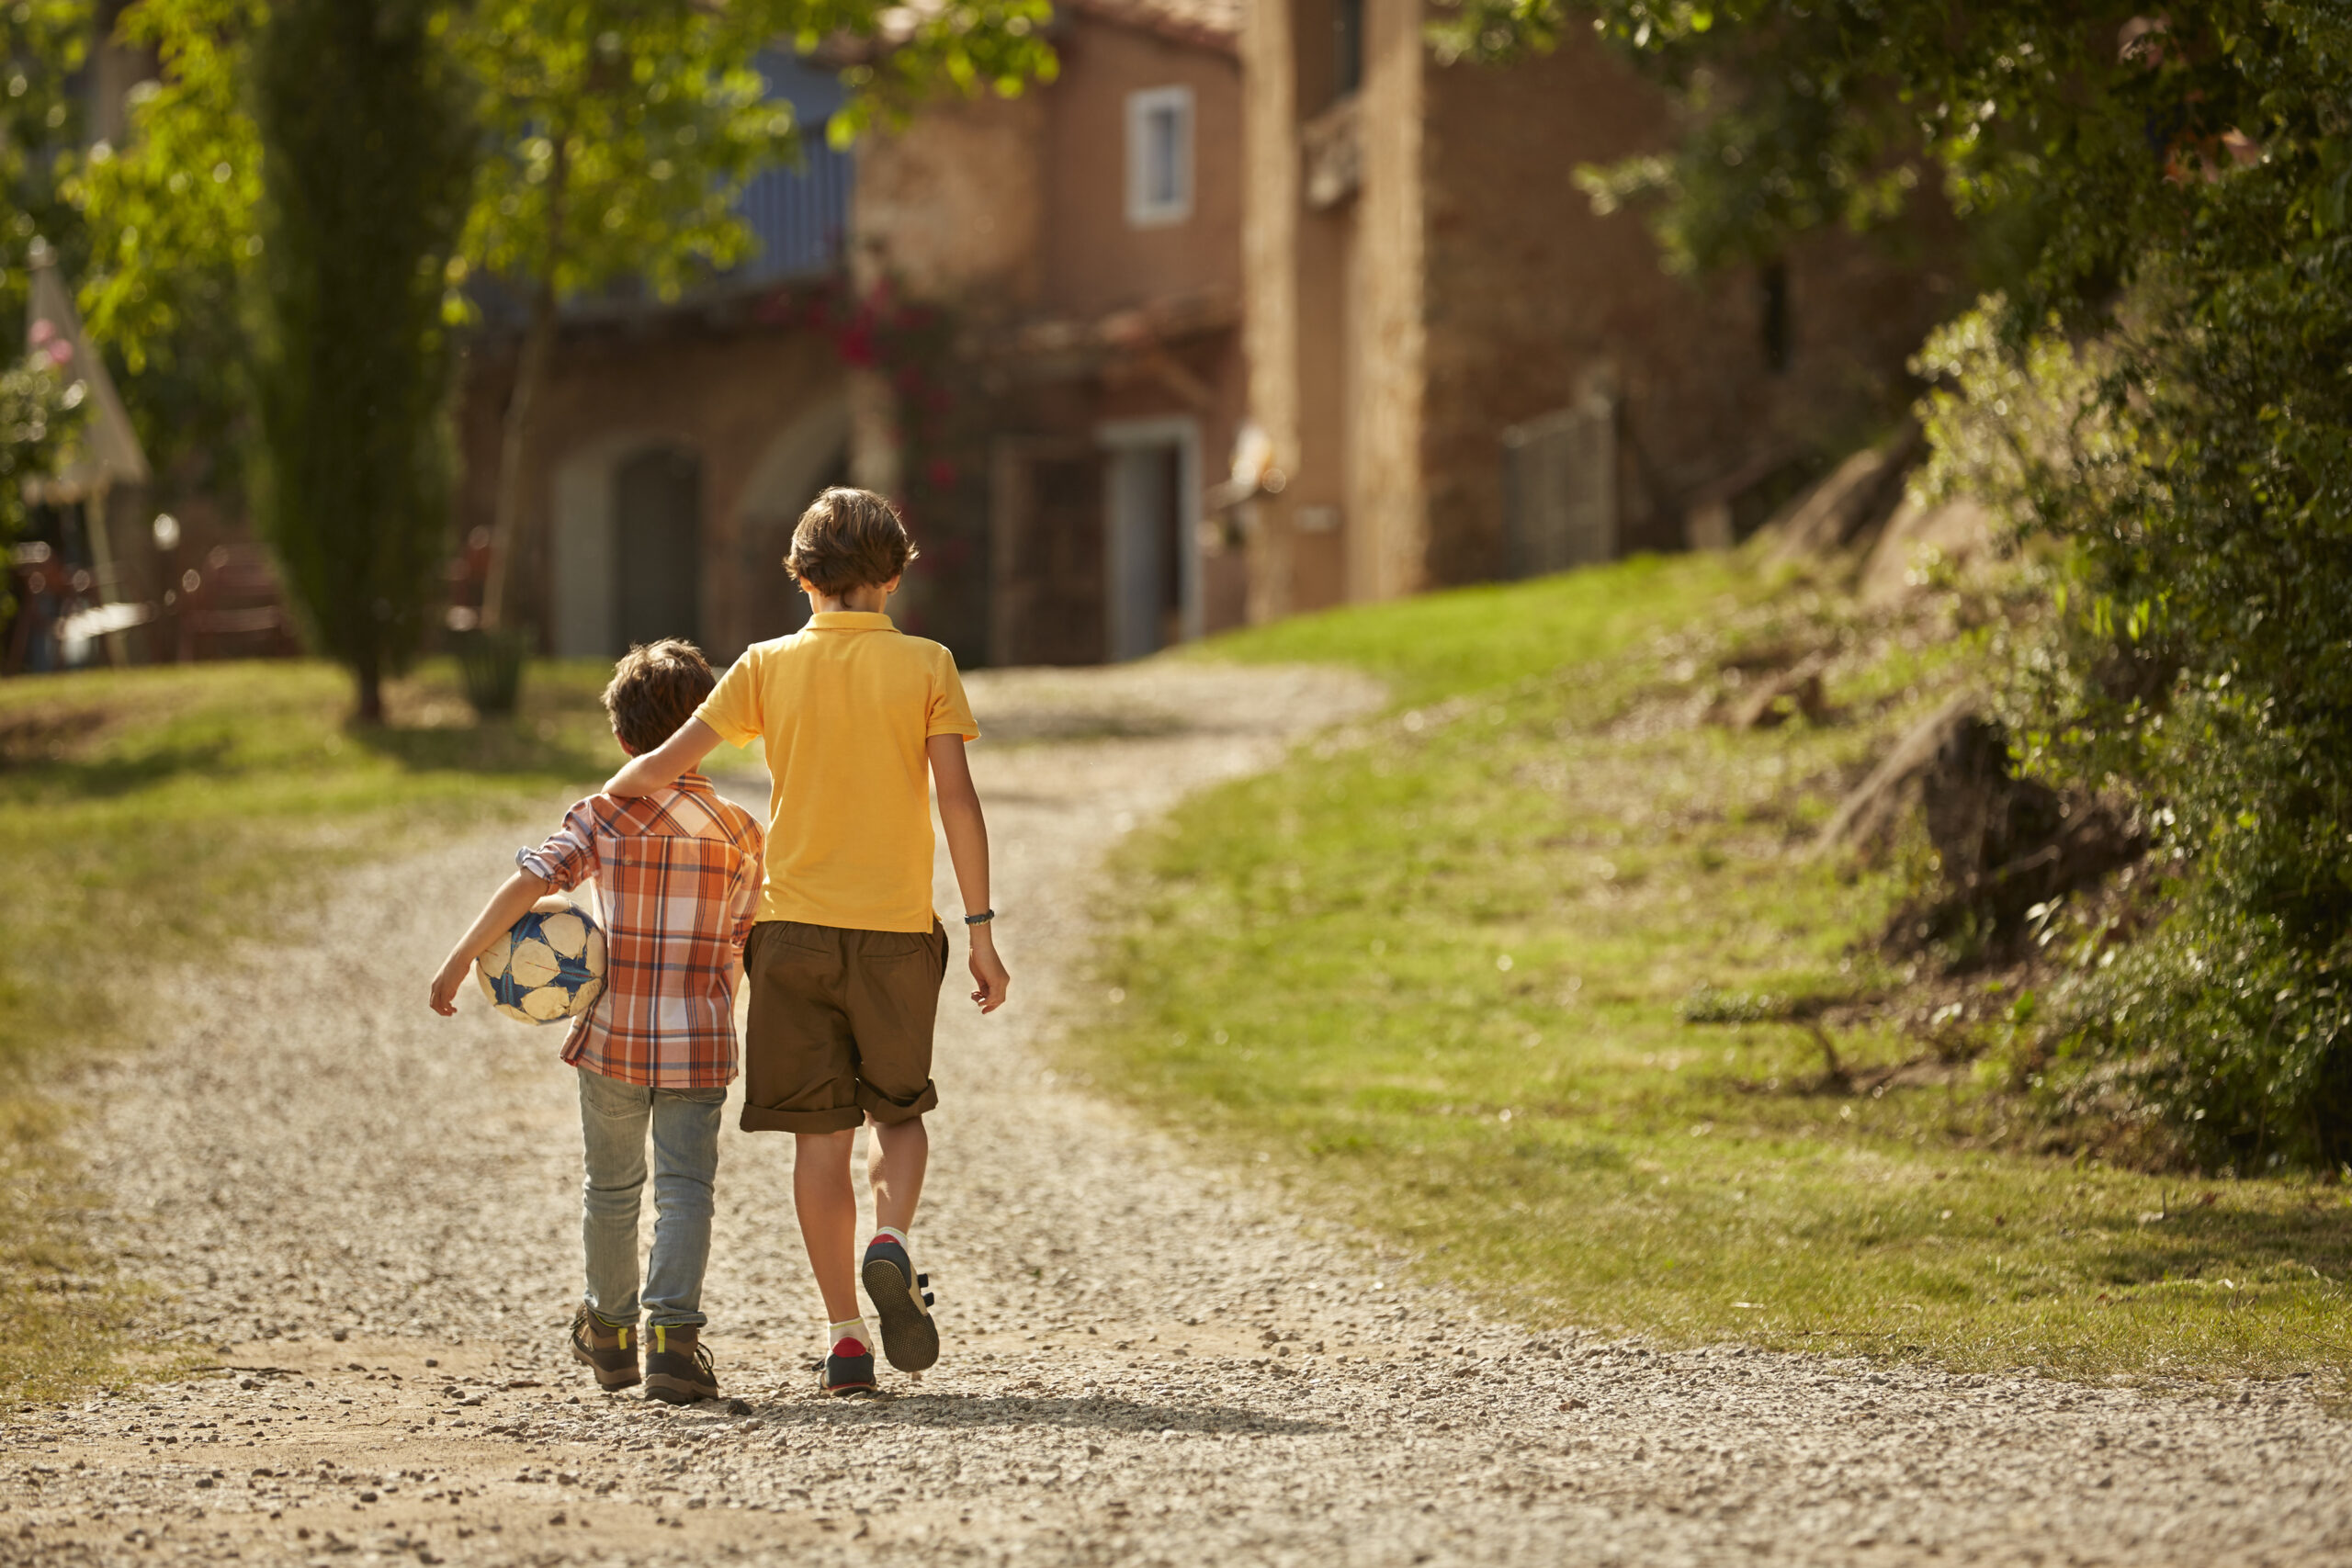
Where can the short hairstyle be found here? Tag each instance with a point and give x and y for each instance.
(655, 688)
(849, 539)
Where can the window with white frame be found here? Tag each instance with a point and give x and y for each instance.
(1159, 156)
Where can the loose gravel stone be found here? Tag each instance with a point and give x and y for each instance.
(365, 1219)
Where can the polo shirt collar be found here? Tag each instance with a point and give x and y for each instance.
(851, 621)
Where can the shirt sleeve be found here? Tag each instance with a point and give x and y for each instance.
(732, 709)
(951, 714)
(569, 858)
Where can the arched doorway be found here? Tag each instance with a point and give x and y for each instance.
(657, 547)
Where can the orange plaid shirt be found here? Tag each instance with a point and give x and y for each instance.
(678, 877)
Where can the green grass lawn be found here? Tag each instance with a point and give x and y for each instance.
(1437, 971)
(161, 816)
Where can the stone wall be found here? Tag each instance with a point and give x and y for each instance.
(1528, 294)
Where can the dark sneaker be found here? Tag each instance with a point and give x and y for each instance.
(610, 1348)
(902, 1300)
(849, 1370)
(678, 1369)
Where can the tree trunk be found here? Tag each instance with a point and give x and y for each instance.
(530, 372)
(538, 344)
(371, 695)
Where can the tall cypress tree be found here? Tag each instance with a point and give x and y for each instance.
(365, 169)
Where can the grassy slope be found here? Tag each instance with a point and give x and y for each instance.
(1434, 969)
(151, 816)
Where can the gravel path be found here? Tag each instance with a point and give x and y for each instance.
(365, 1219)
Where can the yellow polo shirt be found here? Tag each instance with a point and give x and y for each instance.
(844, 707)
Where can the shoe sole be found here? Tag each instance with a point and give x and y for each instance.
(606, 1377)
(675, 1391)
(909, 1338)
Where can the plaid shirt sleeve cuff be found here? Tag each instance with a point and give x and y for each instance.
(569, 858)
(538, 864)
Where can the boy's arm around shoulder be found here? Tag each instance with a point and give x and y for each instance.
(731, 712)
(661, 767)
(968, 850)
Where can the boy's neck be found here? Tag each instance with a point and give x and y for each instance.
(868, 600)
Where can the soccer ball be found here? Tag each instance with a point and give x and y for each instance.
(549, 966)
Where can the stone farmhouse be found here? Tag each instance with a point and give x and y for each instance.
(1462, 372)
(1080, 246)
(1256, 308)
(1088, 239)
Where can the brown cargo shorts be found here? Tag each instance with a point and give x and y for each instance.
(840, 1026)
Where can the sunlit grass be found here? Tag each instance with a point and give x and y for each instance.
(1436, 972)
(156, 815)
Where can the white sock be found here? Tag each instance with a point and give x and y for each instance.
(898, 1235)
(849, 1328)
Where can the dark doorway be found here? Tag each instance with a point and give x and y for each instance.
(1047, 553)
(657, 547)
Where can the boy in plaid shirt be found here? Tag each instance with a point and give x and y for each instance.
(678, 872)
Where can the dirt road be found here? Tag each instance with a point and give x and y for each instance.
(366, 1218)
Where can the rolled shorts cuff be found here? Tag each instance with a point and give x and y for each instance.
(888, 1112)
(836, 1119)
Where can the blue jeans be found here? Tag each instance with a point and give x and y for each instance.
(613, 1122)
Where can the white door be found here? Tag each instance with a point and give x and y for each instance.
(1150, 563)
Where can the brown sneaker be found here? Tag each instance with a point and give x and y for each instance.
(678, 1369)
(610, 1348)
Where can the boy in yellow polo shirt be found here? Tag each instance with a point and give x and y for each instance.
(860, 723)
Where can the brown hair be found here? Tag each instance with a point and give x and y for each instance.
(655, 688)
(849, 539)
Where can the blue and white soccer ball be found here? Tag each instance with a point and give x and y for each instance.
(549, 966)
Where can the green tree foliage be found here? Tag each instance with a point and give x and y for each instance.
(42, 44)
(618, 136)
(171, 223)
(41, 408)
(2177, 185)
(368, 155)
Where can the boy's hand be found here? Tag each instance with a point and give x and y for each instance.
(988, 970)
(446, 984)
